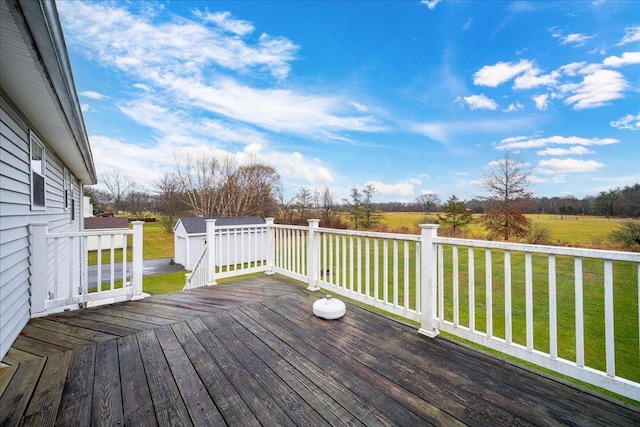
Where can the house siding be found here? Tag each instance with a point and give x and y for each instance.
(16, 215)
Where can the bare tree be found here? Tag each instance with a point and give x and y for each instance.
(119, 186)
(507, 183)
(219, 187)
(138, 202)
(370, 216)
(304, 202)
(169, 199)
(428, 202)
(354, 206)
(325, 205)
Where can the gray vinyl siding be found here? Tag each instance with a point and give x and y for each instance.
(16, 215)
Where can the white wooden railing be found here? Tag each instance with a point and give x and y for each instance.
(236, 250)
(569, 310)
(59, 263)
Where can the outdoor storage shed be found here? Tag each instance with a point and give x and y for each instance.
(190, 238)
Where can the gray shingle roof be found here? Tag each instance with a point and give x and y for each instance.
(194, 225)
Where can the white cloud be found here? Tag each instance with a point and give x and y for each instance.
(137, 45)
(85, 108)
(596, 89)
(431, 4)
(480, 102)
(93, 95)
(573, 68)
(577, 150)
(467, 24)
(296, 166)
(494, 75)
(628, 58)
(225, 22)
(563, 166)
(444, 132)
(514, 107)
(542, 101)
(532, 78)
(173, 60)
(399, 189)
(628, 122)
(525, 142)
(359, 107)
(574, 39)
(632, 34)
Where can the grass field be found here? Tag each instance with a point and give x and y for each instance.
(564, 230)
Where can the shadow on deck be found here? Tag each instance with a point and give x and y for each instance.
(251, 353)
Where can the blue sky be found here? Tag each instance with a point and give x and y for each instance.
(413, 97)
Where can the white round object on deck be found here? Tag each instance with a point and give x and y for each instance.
(329, 308)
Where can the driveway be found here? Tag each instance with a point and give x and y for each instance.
(150, 267)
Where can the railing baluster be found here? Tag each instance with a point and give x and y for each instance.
(456, 291)
(376, 269)
(579, 312)
(359, 264)
(507, 297)
(351, 265)
(124, 260)
(367, 266)
(553, 308)
(472, 289)
(345, 284)
(488, 267)
(113, 262)
(441, 282)
(395, 272)
(418, 279)
(99, 255)
(528, 272)
(406, 274)
(608, 318)
(385, 270)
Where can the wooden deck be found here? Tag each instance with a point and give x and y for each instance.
(251, 353)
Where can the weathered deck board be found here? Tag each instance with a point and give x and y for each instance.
(251, 353)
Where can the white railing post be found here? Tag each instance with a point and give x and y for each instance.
(136, 273)
(38, 268)
(211, 251)
(313, 246)
(271, 245)
(428, 280)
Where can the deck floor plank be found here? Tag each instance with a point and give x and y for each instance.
(43, 407)
(251, 353)
(296, 407)
(15, 399)
(107, 395)
(77, 395)
(201, 407)
(418, 378)
(167, 402)
(136, 397)
(260, 402)
(233, 409)
(49, 323)
(399, 404)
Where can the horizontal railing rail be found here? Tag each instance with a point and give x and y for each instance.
(60, 277)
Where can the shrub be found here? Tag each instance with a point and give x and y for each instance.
(628, 233)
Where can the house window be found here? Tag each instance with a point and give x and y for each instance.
(37, 173)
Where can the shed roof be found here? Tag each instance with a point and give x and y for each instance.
(102, 223)
(195, 225)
